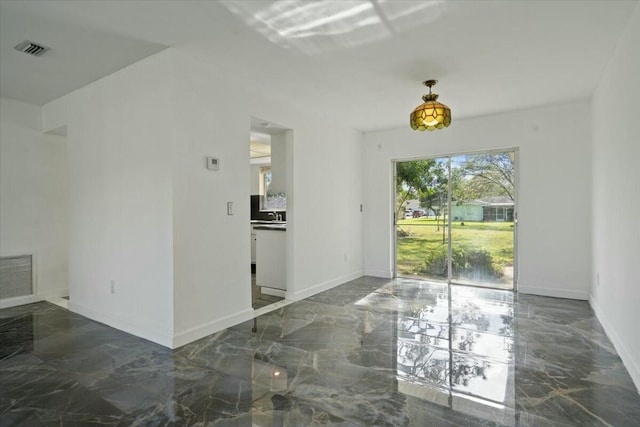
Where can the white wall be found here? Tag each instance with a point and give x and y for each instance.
(328, 182)
(255, 179)
(146, 213)
(33, 198)
(120, 210)
(212, 253)
(554, 184)
(616, 198)
(278, 163)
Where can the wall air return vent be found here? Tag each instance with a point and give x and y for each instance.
(32, 48)
(16, 276)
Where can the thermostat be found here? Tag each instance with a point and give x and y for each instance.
(213, 163)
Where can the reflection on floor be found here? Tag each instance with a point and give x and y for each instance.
(504, 282)
(370, 352)
(259, 299)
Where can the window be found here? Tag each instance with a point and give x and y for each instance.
(271, 200)
(265, 180)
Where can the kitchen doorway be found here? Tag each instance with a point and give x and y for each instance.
(269, 148)
(456, 219)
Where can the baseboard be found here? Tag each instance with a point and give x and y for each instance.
(30, 299)
(306, 293)
(201, 331)
(618, 343)
(60, 302)
(554, 292)
(273, 292)
(385, 274)
(141, 331)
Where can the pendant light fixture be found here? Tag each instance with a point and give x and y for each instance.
(432, 114)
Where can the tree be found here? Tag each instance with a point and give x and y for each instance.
(417, 179)
(435, 198)
(482, 175)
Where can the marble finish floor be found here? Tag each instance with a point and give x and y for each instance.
(371, 352)
(258, 298)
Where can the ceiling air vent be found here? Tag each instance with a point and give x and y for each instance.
(31, 48)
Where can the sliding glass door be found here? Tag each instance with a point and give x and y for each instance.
(455, 219)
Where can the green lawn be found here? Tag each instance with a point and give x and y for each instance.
(423, 237)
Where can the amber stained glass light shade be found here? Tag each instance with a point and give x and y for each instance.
(432, 114)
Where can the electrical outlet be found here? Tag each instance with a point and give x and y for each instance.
(113, 286)
(229, 208)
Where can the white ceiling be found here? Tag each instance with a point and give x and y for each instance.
(79, 54)
(363, 60)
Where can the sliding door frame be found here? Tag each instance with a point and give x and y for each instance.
(449, 156)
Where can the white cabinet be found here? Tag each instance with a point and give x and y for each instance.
(271, 258)
(253, 246)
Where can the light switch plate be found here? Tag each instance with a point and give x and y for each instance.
(213, 163)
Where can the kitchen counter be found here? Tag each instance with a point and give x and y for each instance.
(258, 224)
(275, 227)
(271, 257)
(263, 225)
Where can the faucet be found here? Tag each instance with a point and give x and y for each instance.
(276, 216)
